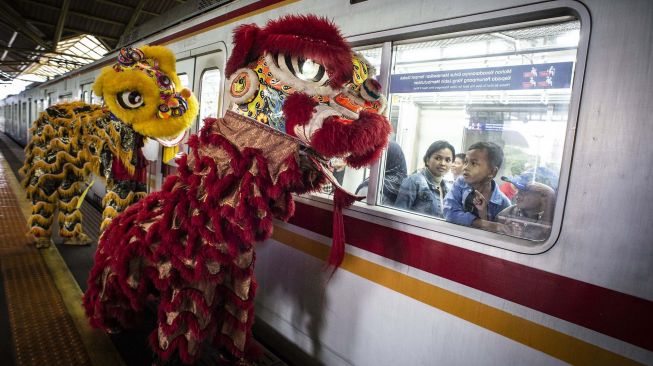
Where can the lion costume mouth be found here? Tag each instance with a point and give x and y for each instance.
(172, 141)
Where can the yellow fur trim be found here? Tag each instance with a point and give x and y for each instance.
(75, 216)
(38, 231)
(47, 208)
(71, 191)
(105, 223)
(68, 234)
(40, 220)
(70, 205)
(121, 202)
(36, 190)
(68, 168)
(108, 214)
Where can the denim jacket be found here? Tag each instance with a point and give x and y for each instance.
(419, 193)
(456, 211)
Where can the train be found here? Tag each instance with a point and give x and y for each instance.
(563, 86)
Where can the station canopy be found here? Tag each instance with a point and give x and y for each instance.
(43, 39)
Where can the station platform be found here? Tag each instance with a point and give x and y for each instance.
(42, 321)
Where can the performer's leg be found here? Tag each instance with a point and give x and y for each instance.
(235, 334)
(43, 209)
(70, 217)
(106, 304)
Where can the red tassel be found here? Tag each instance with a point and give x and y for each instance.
(341, 199)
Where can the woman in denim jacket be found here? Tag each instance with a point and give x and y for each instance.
(424, 190)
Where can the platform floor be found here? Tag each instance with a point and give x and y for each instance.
(41, 317)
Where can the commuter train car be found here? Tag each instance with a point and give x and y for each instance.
(563, 87)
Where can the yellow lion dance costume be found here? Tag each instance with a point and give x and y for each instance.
(142, 99)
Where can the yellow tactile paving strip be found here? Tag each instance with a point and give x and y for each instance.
(43, 333)
(44, 308)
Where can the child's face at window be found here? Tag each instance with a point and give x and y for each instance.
(477, 168)
(457, 166)
(527, 200)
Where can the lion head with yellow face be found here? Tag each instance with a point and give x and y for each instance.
(143, 90)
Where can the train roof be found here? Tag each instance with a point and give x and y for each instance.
(50, 38)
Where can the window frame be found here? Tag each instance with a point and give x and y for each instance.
(493, 21)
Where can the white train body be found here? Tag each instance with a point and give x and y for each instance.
(415, 290)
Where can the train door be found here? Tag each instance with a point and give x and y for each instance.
(14, 121)
(86, 93)
(22, 130)
(209, 81)
(186, 72)
(28, 121)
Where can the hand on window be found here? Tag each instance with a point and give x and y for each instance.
(480, 202)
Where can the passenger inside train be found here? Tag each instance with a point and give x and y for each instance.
(532, 214)
(395, 173)
(457, 166)
(475, 199)
(424, 190)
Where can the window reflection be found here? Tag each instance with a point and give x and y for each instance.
(502, 93)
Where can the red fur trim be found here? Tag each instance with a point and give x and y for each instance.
(310, 37)
(363, 138)
(186, 222)
(298, 110)
(332, 139)
(359, 161)
(243, 52)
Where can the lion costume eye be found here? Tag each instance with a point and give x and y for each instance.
(130, 99)
(305, 69)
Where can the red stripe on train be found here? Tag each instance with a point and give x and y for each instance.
(219, 19)
(606, 311)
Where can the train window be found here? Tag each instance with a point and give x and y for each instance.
(87, 92)
(185, 81)
(209, 94)
(489, 94)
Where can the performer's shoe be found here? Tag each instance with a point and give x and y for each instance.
(43, 242)
(79, 239)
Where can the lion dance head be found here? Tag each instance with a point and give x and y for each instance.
(299, 75)
(143, 90)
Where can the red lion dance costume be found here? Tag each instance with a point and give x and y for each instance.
(300, 96)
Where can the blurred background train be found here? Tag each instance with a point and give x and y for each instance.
(564, 87)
